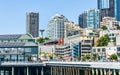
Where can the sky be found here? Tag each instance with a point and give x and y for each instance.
(13, 12)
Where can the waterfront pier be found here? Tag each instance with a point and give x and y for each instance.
(60, 68)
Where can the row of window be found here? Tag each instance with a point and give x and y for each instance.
(12, 41)
(99, 50)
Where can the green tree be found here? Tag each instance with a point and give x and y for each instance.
(114, 39)
(113, 57)
(103, 41)
(86, 57)
(41, 40)
(104, 27)
(94, 57)
(46, 38)
(79, 58)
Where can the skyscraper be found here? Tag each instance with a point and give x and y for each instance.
(32, 26)
(89, 18)
(109, 8)
(55, 27)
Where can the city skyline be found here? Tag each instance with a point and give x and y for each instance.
(13, 13)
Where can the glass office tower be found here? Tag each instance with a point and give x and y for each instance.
(109, 8)
(89, 18)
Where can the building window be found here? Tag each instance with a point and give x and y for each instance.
(94, 50)
(103, 49)
(118, 49)
(98, 49)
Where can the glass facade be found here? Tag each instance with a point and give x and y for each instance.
(89, 18)
(117, 9)
(110, 8)
(103, 4)
(75, 50)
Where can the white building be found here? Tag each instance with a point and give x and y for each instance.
(45, 51)
(111, 33)
(71, 29)
(118, 40)
(109, 22)
(55, 27)
(110, 51)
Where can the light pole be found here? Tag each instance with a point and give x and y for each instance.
(42, 30)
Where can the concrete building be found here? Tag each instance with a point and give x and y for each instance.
(80, 48)
(55, 27)
(63, 51)
(109, 8)
(110, 23)
(77, 38)
(32, 24)
(90, 32)
(118, 40)
(86, 47)
(100, 52)
(89, 18)
(80, 45)
(104, 52)
(18, 47)
(46, 51)
(111, 33)
(72, 29)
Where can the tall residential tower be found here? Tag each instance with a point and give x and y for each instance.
(55, 27)
(32, 26)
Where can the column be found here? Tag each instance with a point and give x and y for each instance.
(69, 71)
(119, 72)
(61, 71)
(12, 70)
(78, 71)
(89, 73)
(51, 70)
(114, 72)
(42, 71)
(73, 71)
(101, 72)
(96, 72)
(27, 71)
(93, 71)
(105, 72)
(0, 71)
(64, 71)
(54, 71)
(18, 71)
(37, 70)
(85, 71)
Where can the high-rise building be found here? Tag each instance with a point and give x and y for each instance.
(32, 26)
(109, 8)
(55, 27)
(90, 18)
